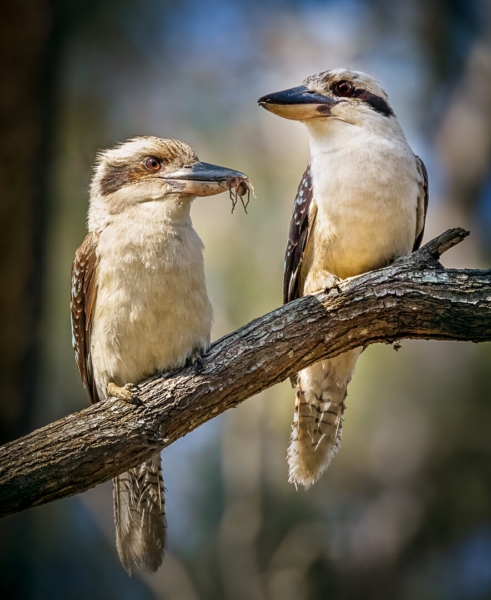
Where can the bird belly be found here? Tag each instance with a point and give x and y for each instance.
(151, 314)
(366, 217)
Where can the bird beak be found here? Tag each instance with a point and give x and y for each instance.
(298, 104)
(203, 179)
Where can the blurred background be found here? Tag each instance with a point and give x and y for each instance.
(404, 511)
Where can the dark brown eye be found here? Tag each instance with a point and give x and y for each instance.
(152, 164)
(343, 88)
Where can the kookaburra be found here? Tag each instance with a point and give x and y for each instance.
(360, 205)
(139, 302)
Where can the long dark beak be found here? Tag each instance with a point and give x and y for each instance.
(298, 104)
(203, 179)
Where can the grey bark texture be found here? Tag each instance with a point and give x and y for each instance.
(415, 297)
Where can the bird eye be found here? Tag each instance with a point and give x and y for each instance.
(343, 88)
(152, 164)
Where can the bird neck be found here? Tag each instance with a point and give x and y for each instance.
(333, 135)
(172, 208)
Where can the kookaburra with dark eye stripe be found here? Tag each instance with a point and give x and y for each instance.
(361, 204)
(139, 302)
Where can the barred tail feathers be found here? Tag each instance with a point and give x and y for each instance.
(317, 421)
(139, 516)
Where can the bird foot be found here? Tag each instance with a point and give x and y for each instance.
(128, 393)
(196, 360)
(332, 283)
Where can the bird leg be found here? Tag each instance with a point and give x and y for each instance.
(128, 393)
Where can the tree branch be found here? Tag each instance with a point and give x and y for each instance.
(415, 297)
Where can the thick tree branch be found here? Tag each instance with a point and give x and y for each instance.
(413, 298)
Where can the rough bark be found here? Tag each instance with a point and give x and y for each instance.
(413, 298)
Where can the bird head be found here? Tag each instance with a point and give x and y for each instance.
(341, 94)
(151, 169)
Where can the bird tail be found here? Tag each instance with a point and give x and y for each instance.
(317, 420)
(139, 516)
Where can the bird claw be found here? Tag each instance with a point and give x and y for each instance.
(332, 283)
(197, 362)
(128, 393)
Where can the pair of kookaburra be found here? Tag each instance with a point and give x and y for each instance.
(139, 299)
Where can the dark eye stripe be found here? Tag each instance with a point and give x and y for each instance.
(114, 179)
(376, 102)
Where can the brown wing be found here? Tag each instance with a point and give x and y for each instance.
(300, 227)
(82, 306)
(422, 203)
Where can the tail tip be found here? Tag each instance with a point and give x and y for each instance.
(306, 468)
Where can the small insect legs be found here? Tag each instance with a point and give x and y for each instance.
(238, 188)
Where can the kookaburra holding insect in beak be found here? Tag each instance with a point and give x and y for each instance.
(139, 301)
(360, 205)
